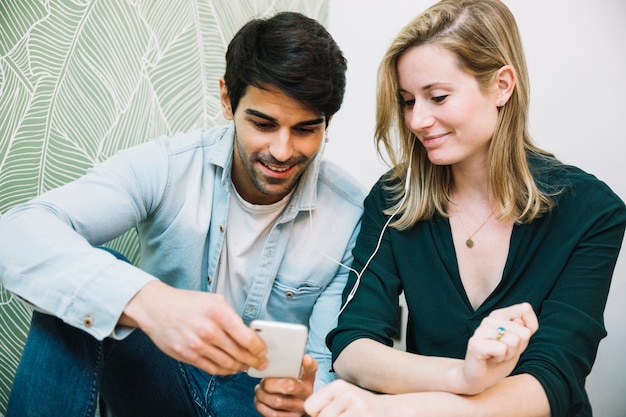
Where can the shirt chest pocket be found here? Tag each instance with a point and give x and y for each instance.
(292, 301)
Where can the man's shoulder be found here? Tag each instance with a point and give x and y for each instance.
(213, 145)
(339, 182)
(196, 138)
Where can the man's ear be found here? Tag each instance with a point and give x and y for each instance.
(505, 84)
(227, 110)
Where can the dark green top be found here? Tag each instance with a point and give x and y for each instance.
(561, 264)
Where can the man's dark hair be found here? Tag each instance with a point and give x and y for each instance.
(291, 52)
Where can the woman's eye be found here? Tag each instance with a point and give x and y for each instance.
(439, 99)
(408, 103)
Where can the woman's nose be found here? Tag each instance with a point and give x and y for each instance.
(420, 118)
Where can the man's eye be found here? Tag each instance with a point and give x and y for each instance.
(439, 99)
(305, 131)
(263, 125)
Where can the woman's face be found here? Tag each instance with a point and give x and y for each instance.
(444, 107)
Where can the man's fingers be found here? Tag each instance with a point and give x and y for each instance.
(236, 339)
(309, 368)
(286, 396)
(290, 386)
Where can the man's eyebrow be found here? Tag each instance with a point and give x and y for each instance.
(257, 113)
(269, 118)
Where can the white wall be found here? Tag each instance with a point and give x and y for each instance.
(576, 51)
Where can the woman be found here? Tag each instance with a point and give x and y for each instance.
(504, 254)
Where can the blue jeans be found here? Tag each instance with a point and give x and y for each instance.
(63, 369)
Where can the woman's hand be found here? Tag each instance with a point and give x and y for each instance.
(340, 398)
(496, 346)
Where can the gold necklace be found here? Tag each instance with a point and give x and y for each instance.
(469, 242)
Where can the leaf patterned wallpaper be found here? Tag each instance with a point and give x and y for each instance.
(80, 79)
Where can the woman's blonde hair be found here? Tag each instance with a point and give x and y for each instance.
(484, 37)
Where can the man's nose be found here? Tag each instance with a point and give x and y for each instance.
(281, 148)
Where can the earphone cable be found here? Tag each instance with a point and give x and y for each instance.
(358, 274)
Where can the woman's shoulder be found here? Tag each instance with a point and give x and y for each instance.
(381, 191)
(569, 182)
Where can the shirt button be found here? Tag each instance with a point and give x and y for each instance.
(289, 294)
(88, 320)
(221, 228)
(208, 279)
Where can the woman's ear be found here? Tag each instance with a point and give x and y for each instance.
(505, 84)
(227, 110)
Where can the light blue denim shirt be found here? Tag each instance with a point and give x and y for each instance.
(175, 192)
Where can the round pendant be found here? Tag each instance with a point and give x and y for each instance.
(469, 243)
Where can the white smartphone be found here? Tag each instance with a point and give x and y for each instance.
(285, 343)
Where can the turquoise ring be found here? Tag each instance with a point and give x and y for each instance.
(501, 332)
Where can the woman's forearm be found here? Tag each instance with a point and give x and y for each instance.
(489, 359)
(380, 368)
(516, 396)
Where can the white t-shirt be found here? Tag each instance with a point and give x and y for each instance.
(248, 227)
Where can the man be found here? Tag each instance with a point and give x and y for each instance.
(233, 224)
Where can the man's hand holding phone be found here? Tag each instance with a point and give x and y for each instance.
(289, 377)
(195, 327)
(286, 395)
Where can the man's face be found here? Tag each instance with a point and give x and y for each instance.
(276, 139)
